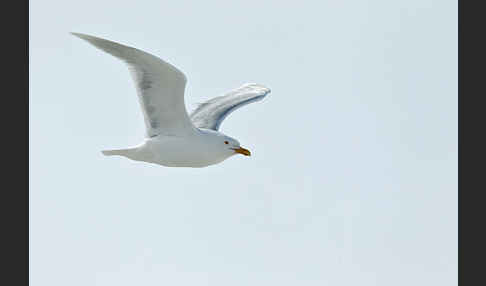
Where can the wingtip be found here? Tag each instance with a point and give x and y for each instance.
(79, 35)
(83, 36)
(263, 88)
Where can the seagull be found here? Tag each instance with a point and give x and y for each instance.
(173, 138)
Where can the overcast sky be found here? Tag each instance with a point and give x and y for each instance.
(353, 173)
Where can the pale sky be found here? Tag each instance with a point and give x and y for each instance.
(353, 173)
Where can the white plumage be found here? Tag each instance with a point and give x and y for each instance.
(174, 138)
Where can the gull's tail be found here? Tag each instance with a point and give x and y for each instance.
(119, 152)
(138, 153)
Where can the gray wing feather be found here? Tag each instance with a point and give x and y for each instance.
(211, 113)
(160, 88)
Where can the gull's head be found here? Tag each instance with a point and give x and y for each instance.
(234, 146)
(221, 146)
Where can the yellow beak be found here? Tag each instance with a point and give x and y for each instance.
(242, 151)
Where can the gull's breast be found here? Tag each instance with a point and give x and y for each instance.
(174, 151)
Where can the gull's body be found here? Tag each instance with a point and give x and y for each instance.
(173, 137)
(199, 149)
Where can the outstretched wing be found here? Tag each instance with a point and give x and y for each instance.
(211, 113)
(160, 88)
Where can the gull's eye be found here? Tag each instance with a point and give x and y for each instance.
(226, 142)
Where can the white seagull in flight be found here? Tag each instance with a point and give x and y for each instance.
(174, 138)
